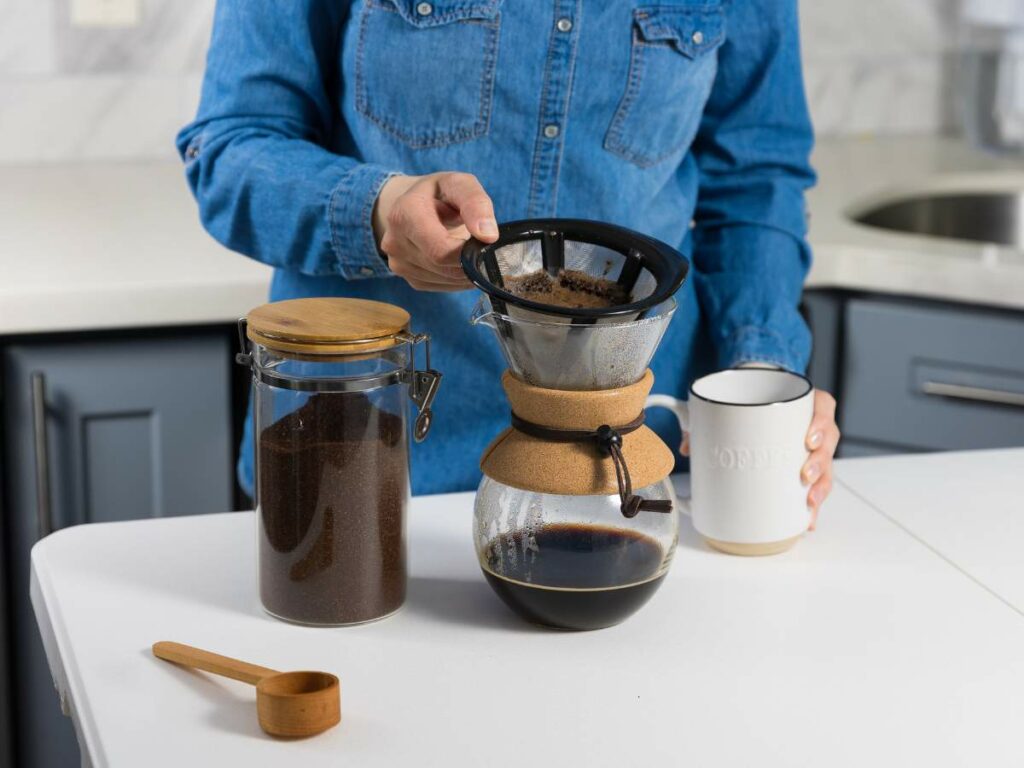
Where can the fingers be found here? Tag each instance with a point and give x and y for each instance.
(822, 439)
(823, 424)
(424, 280)
(415, 234)
(684, 447)
(464, 193)
(816, 474)
(817, 495)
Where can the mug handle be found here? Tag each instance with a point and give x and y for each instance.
(681, 409)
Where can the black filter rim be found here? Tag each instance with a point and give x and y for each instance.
(668, 266)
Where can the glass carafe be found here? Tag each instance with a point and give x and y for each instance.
(572, 562)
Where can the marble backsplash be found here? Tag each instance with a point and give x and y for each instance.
(79, 93)
(73, 93)
(880, 66)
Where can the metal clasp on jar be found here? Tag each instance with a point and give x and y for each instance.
(423, 384)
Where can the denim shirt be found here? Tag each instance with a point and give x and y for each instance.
(683, 119)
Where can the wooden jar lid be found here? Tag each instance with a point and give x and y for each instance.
(328, 326)
(575, 469)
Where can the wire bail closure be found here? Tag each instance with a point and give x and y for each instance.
(423, 383)
(423, 386)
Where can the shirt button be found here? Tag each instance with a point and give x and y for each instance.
(698, 36)
(564, 25)
(366, 272)
(551, 131)
(424, 9)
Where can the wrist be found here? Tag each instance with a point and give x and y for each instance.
(393, 189)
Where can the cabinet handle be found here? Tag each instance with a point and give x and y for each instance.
(44, 517)
(974, 394)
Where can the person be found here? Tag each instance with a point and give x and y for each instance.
(356, 145)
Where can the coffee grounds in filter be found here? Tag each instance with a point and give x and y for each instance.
(570, 288)
(333, 480)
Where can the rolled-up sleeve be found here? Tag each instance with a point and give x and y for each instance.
(255, 155)
(752, 151)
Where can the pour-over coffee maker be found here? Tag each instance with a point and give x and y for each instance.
(574, 522)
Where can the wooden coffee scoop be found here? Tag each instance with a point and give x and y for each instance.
(287, 703)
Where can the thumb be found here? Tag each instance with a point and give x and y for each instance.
(464, 193)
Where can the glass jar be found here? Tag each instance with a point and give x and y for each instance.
(572, 562)
(332, 455)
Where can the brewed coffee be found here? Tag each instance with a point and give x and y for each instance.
(574, 576)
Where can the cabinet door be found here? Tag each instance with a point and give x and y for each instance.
(933, 378)
(135, 428)
(823, 311)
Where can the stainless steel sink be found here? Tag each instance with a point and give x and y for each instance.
(985, 217)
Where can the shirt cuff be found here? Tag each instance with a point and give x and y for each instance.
(350, 215)
(760, 348)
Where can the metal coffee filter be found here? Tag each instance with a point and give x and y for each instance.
(570, 347)
(527, 257)
(644, 272)
(558, 355)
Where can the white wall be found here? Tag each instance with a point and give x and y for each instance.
(70, 93)
(66, 93)
(879, 66)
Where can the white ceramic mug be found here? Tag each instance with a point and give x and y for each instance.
(747, 430)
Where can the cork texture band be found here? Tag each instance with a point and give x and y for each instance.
(575, 468)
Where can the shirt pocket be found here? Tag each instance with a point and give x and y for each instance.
(425, 70)
(671, 68)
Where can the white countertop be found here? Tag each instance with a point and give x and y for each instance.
(94, 246)
(861, 646)
(968, 507)
(855, 175)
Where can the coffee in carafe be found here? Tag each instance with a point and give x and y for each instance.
(624, 569)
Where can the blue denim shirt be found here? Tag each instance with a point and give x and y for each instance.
(683, 119)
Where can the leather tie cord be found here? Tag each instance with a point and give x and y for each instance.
(609, 440)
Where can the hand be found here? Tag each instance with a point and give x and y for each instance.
(422, 222)
(822, 439)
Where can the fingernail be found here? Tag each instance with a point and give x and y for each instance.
(487, 226)
(811, 473)
(816, 497)
(815, 439)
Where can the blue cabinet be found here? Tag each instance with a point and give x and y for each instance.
(916, 375)
(823, 311)
(932, 378)
(132, 428)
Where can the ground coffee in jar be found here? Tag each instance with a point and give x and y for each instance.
(333, 379)
(332, 488)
